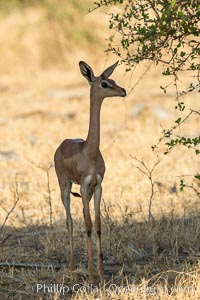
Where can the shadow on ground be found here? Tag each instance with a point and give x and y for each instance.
(34, 260)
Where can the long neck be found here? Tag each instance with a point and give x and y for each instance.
(93, 139)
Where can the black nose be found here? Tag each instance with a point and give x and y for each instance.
(123, 92)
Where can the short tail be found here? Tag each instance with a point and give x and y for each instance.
(76, 194)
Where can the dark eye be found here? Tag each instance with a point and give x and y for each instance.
(104, 85)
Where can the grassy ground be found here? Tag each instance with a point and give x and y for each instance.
(44, 100)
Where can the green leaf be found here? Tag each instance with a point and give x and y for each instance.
(197, 151)
(182, 185)
(180, 14)
(178, 121)
(173, 3)
(162, 88)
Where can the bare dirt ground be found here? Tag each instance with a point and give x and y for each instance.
(42, 105)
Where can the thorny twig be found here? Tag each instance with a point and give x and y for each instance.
(140, 78)
(191, 186)
(149, 173)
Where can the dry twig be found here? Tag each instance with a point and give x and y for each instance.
(149, 173)
(47, 169)
(16, 200)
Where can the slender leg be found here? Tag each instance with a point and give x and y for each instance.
(88, 225)
(65, 195)
(97, 200)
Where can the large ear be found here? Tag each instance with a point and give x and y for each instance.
(109, 70)
(86, 71)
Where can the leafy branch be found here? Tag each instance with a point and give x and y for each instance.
(185, 141)
(163, 32)
(194, 186)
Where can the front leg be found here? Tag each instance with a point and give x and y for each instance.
(88, 223)
(97, 201)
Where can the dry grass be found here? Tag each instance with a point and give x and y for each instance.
(144, 259)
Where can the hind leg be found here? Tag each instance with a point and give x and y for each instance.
(65, 189)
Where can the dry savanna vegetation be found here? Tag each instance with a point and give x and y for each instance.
(150, 229)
